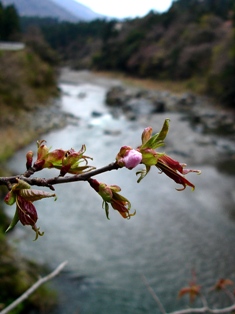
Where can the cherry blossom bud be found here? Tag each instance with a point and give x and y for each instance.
(110, 195)
(128, 157)
(29, 159)
(132, 159)
(146, 134)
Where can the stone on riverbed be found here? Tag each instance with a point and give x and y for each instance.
(136, 103)
(148, 101)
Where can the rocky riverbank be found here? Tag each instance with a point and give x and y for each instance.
(203, 114)
(20, 127)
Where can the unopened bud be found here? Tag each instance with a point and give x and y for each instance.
(146, 134)
(128, 157)
(132, 159)
(29, 159)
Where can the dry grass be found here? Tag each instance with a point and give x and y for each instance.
(25, 83)
(175, 87)
(11, 140)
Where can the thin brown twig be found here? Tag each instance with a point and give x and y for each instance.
(34, 287)
(153, 294)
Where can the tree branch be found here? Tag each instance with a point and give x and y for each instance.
(34, 287)
(205, 310)
(57, 180)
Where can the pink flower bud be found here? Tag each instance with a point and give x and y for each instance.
(128, 157)
(132, 159)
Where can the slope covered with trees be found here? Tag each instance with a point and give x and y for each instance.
(193, 42)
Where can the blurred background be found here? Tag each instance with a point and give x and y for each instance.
(76, 73)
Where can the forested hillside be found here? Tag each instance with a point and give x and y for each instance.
(194, 42)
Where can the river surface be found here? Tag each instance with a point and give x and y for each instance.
(172, 234)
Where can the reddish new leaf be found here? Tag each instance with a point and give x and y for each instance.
(192, 290)
(26, 211)
(222, 284)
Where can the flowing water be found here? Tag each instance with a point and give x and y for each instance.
(172, 233)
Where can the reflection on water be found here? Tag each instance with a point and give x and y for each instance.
(172, 233)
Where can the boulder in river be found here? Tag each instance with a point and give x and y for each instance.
(148, 101)
(203, 115)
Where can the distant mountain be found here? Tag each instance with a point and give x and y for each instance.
(78, 9)
(64, 10)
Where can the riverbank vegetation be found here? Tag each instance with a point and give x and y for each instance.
(192, 43)
(27, 81)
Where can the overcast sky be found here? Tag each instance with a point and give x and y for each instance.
(126, 8)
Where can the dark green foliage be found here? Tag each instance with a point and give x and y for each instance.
(75, 42)
(35, 40)
(197, 8)
(9, 23)
(221, 78)
(63, 34)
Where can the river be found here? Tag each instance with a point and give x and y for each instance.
(172, 234)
